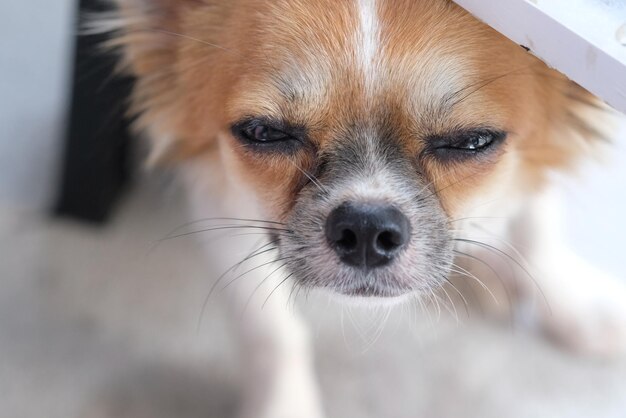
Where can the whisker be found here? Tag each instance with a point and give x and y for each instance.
(223, 228)
(432, 182)
(432, 298)
(275, 289)
(493, 270)
(249, 234)
(476, 217)
(378, 332)
(425, 310)
(437, 191)
(508, 256)
(451, 310)
(458, 292)
(253, 269)
(233, 268)
(310, 177)
(426, 187)
(258, 286)
(197, 221)
(295, 297)
(291, 293)
(191, 38)
(481, 85)
(155, 244)
(466, 273)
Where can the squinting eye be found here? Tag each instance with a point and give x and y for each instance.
(263, 133)
(465, 144)
(270, 136)
(475, 141)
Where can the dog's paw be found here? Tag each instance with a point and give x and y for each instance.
(586, 309)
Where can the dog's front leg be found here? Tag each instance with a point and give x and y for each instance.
(277, 361)
(277, 357)
(578, 305)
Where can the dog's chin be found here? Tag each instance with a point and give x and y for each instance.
(365, 296)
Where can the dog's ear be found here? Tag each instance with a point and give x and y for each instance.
(145, 30)
(145, 33)
(575, 126)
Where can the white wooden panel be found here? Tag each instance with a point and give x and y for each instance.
(584, 39)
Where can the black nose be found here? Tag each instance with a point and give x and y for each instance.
(367, 235)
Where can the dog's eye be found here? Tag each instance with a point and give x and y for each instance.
(263, 133)
(268, 135)
(465, 144)
(475, 141)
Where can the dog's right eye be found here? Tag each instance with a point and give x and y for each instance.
(263, 133)
(267, 135)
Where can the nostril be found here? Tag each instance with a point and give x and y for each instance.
(367, 235)
(388, 241)
(348, 240)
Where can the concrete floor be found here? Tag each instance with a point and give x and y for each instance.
(93, 324)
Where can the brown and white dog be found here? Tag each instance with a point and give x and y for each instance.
(372, 141)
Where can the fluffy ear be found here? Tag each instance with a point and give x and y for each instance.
(583, 125)
(589, 117)
(144, 32)
(575, 127)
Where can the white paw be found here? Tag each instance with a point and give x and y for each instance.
(587, 309)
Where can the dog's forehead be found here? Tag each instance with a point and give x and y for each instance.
(343, 58)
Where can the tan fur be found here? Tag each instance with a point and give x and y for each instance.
(203, 65)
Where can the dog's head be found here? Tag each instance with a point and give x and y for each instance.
(367, 127)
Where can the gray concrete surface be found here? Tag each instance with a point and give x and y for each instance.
(93, 324)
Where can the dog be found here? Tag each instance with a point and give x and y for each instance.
(369, 142)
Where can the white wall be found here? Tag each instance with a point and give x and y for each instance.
(35, 57)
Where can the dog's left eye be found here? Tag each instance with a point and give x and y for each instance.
(465, 144)
(475, 141)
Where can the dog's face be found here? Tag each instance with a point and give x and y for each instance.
(367, 127)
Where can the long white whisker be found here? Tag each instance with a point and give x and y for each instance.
(456, 314)
(310, 177)
(466, 273)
